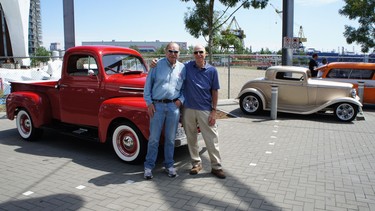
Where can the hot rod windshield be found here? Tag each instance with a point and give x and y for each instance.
(123, 63)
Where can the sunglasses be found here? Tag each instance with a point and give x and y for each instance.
(171, 51)
(200, 52)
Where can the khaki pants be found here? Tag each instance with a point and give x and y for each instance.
(191, 119)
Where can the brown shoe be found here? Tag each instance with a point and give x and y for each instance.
(218, 173)
(195, 169)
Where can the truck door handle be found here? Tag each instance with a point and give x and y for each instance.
(58, 86)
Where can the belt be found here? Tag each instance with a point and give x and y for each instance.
(165, 100)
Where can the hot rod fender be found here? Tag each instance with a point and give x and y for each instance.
(132, 109)
(329, 104)
(339, 100)
(36, 104)
(255, 91)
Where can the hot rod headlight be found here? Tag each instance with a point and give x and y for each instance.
(353, 92)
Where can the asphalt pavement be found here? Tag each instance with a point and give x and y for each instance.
(295, 162)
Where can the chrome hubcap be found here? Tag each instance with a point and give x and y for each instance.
(251, 104)
(128, 142)
(345, 111)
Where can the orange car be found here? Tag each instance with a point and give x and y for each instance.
(352, 72)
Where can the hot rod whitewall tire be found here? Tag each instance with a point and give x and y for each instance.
(346, 112)
(26, 127)
(251, 103)
(128, 143)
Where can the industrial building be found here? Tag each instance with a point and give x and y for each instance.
(145, 46)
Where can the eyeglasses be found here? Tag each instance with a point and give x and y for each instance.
(172, 51)
(200, 52)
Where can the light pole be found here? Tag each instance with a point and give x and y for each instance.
(69, 32)
(288, 16)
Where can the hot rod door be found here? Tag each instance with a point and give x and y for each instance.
(292, 91)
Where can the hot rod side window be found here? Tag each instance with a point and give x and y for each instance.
(339, 73)
(361, 74)
(350, 73)
(290, 76)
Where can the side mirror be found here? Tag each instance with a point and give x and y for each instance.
(91, 72)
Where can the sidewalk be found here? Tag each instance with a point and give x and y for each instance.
(293, 163)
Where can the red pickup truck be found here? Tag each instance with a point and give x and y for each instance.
(99, 97)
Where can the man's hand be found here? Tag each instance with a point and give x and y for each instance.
(178, 103)
(153, 63)
(212, 118)
(151, 110)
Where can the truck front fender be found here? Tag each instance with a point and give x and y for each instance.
(133, 109)
(36, 104)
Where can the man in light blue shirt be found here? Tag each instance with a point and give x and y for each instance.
(163, 96)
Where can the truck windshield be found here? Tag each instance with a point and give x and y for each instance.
(123, 63)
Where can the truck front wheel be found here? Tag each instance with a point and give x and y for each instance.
(26, 127)
(129, 143)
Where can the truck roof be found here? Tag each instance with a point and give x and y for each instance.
(104, 49)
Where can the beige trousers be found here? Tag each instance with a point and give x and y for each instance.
(191, 119)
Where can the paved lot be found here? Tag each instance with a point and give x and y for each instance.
(292, 163)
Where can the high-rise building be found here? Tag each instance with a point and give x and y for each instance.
(21, 31)
(35, 26)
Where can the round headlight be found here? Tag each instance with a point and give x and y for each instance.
(353, 93)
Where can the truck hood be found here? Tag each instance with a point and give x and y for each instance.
(126, 85)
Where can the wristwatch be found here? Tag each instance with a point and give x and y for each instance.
(213, 109)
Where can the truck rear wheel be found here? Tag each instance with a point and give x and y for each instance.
(128, 143)
(26, 127)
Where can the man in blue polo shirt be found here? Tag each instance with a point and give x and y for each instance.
(201, 96)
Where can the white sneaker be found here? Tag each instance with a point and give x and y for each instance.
(148, 174)
(171, 172)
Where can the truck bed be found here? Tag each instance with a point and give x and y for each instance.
(45, 88)
(33, 85)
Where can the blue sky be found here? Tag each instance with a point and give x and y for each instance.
(145, 20)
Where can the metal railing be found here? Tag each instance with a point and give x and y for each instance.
(10, 68)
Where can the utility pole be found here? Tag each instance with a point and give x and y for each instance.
(288, 16)
(69, 33)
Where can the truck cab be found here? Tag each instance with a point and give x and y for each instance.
(95, 76)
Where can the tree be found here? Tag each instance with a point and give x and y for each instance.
(161, 50)
(227, 43)
(41, 56)
(265, 51)
(204, 21)
(134, 47)
(363, 11)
